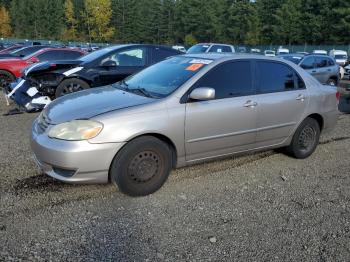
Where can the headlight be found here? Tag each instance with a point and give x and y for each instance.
(76, 130)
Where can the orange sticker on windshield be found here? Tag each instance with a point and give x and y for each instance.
(194, 67)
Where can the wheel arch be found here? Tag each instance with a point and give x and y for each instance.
(8, 71)
(164, 138)
(318, 118)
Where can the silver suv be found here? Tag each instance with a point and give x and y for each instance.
(181, 111)
(322, 67)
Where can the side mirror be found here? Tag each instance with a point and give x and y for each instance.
(33, 60)
(109, 63)
(203, 94)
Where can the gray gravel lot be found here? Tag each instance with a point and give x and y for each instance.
(261, 207)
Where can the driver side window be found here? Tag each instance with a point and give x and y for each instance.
(130, 57)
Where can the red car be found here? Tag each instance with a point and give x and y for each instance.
(12, 68)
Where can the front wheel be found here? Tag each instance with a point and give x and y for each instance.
(69, 86)
(142, 166)
(305, 139)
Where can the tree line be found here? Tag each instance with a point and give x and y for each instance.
(245, 22)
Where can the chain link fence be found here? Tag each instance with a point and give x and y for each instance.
(292, 48)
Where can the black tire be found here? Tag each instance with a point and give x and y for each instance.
(332, 82)
(6, 78)
(142, 166)
(305, 139)
(71, 85)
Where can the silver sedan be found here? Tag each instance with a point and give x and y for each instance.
(181, 111)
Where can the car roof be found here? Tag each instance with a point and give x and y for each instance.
(213, 44)
(227, 56)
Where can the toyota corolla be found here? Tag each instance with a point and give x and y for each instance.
(181, 111)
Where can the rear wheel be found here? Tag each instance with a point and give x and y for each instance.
(142, 166)
(69, 86)
(6, 78)
(305, 139)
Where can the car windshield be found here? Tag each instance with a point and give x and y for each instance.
(269, 52)
(96, 54)
(31, 55)
(197, 49)
(161, 79)
(293, 58)
(340, 56)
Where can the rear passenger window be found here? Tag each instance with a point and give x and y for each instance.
(68, 55)
(274, 77)
(321, 62)
(229, 80)
(330, 62)
(160, 54)
(220, 49)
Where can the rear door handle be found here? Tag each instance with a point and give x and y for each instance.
(250, 103)
(300, 97)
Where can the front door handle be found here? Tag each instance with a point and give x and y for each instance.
(301, 98)
(250, 103)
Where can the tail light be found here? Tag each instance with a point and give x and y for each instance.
(337, 95)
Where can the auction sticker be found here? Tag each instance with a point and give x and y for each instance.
(194, 67)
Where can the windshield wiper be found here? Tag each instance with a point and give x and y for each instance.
(122, 85)
(143, 91)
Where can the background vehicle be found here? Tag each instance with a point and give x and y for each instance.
(295, 58)
(269, 53)
(340, 57)
(319, 52)
(241, 49)
(282, 51)
(12, 68)
(102, 67)
(24, 51)
(180, 48)
(322, 67)
(11, 49)
(211, 48)
(347, 72)
(135, 132)
(255, 51)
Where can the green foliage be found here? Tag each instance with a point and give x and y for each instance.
(184, 21)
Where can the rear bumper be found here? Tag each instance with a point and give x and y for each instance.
(330, 120)
(73, 161)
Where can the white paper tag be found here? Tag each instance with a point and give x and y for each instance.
(44, 100)
(16, 87)
(32, 91)
(72, 71)
(201, 61)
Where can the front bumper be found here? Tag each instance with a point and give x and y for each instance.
(73, 161)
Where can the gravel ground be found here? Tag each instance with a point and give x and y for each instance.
(261, 207)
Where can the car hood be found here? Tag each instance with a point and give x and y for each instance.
(51, 66)
(89, 103)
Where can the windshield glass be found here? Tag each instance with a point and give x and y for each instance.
(161, 79)
(270, 52)
(31, 55)
(341, 56)
(294, 59)
(197, 49)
